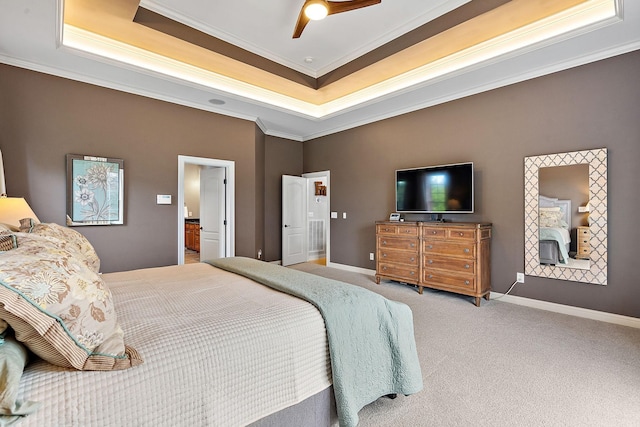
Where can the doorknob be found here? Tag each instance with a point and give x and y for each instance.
(285, 225)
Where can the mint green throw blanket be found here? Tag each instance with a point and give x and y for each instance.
(371, 342)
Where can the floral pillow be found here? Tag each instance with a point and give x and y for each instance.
(551, 217)
(60, 308)
(69, 239)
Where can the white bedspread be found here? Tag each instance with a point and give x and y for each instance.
(218, 350)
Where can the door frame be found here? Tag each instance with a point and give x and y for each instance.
(322, 174)
(229, 166)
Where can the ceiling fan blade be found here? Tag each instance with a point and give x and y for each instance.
(345, 6)
(302, 22)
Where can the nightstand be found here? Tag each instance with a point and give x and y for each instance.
(583, 247)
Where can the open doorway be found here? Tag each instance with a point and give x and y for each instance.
(305, 218)
(206, 226)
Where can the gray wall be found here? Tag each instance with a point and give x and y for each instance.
(283, 157)
(592, 106)
(42, 118)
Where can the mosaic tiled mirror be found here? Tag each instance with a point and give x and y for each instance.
(595, 270)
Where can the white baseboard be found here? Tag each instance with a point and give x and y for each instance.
(351, 268)
(602, 316)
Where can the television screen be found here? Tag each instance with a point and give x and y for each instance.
(435, 189)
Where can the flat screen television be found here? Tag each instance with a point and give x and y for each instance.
(435, 189)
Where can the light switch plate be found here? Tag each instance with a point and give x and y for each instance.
(334, 215)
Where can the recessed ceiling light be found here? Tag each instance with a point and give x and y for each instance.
(216, 101)
(308, 59)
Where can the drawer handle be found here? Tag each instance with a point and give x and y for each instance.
(466, 282)
(412, 259)
(430, 261)
(384, 268)
(461, 234)
(384, 242)
(413, 245)
(429, 246)
(434, 232)
(407, 231)
(384, 255)
(467, 266)
(466, 250)
(412, 273)
(386, 229)
(430, 276)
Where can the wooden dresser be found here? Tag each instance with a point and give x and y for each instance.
(583, 249)
(397, 251)
(454, 257)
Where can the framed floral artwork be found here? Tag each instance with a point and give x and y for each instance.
(95, 190)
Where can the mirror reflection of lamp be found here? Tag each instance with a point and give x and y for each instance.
(585, 209)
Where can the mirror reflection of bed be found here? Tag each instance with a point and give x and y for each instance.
(563, 195)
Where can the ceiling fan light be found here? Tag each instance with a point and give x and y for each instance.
(316, 10)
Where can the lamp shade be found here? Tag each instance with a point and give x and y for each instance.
(13, 209)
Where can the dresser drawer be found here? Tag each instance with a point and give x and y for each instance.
(408, 244)
(386, 229)
(461, 234)
(437, 279)
(582, 242)
(402, 272)
(451, 264)
(464, 250)
(397, 230)
(396, 256)
(582, 250)
(584, 232)
(434, 233)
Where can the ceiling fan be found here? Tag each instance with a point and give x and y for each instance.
(319, 9)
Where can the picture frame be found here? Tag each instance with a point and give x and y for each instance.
(95, 190)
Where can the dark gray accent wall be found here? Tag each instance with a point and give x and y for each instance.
(42, 118)
(592, 106)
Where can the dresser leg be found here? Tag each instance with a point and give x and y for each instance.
(478, 299)
(377, 279)
(487, 296)
(420, 289)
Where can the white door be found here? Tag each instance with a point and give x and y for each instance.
(212, 213)
(294, 206)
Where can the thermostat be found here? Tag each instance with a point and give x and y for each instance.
(163, 199)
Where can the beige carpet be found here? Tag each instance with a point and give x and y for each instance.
(506, 365)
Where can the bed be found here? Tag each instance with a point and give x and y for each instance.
(554, 230)
(240, 342)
